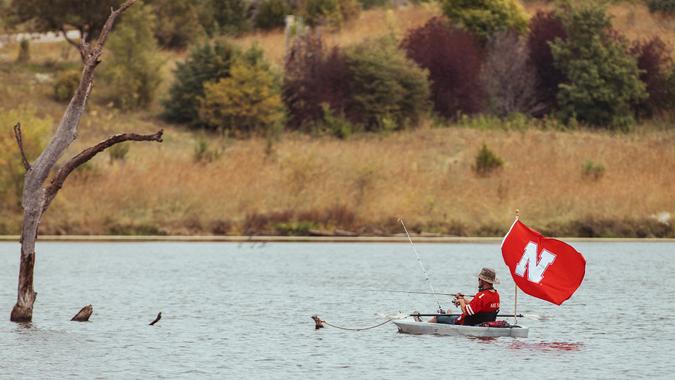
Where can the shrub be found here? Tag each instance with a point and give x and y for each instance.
(545, 27)
(208, 62)
(24, 51)
(453, 59)
(368, 4)
(272, 14)
(314, 79)
(653, 58)
(132, 72)
(177, 23)
(203, 151)
(329, 12)
(387, 90)
(337, 125)
(484, 18)
(592, 170)
(508, 78)
(486, 162)
(65, 85)
(247, 101)
(226, 16)
(662, 6)
(602, 79)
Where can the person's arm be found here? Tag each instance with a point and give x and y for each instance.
(468, 307)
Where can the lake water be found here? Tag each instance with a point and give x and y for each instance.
(243, 311)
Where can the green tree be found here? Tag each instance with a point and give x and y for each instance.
(333, 13)
(208, 62)
(603, 80)
(484, 18)
(177, 23)
(272, 14)
(248, 101)
(225, 16)
(132, 72)
(663, 6)
(388, 91)
(84, 15)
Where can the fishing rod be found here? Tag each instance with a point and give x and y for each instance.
(411, 292)
(419, 260)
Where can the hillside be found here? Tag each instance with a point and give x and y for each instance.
(307, 184)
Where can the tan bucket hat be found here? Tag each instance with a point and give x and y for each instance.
(488, 275)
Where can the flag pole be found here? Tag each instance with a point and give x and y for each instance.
(515, 298)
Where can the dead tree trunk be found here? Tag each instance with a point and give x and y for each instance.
(37, 197)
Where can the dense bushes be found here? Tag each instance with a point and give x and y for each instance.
(132, 72)
(373, 85)
(653, 58)
(453, 59)
(329, 12)
(315, 80)
(209, 62)
(508, 79)
(387, 91)
(272, 13)
(571, 65)
(602, 83)
(662, 6)
(545, 27)
(177, 23)
(246, 101)
(484, 18)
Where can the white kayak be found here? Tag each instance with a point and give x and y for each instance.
(410, 326)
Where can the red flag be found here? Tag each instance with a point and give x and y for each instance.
(542, 267)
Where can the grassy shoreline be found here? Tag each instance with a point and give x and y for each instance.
(308, 239)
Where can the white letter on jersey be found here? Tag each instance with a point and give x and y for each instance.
(535, 271)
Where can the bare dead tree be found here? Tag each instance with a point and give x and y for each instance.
(508, 77)
(37, 197)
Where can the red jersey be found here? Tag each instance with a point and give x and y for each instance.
(483, 308)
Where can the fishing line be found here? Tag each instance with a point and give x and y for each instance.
(419, 261)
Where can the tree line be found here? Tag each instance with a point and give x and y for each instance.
(479, 57)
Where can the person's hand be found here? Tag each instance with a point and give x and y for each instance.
(459, 295)
(455, 302)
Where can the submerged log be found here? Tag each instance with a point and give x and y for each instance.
(318, 323)
(84, 314)
(159, 316)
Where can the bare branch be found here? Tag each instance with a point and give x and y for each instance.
(19, 142)
(107, 27)
(86, 155)
(67, 130)
(65, 36)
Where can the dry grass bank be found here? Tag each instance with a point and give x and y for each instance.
(364, 183)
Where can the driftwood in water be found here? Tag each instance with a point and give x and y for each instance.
(318, 323)
(37, 196)
(84, 314)
(159, 316)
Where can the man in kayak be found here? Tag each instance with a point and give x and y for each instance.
(483, 307)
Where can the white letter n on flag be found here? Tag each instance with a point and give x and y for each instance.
(535, 270)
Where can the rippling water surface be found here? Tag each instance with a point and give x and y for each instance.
(242, 311)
